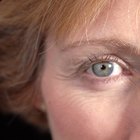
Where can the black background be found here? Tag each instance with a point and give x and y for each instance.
(12, 127)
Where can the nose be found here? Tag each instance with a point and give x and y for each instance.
(133, 116)
(129, 125)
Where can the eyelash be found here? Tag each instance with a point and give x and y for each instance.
(90, 60)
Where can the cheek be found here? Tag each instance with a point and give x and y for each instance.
(74, 116)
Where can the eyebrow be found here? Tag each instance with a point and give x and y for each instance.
(114, 45)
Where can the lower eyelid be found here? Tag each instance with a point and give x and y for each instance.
(104, 84)
(126, 74)
(102, 80)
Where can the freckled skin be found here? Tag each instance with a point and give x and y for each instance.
(76, 113)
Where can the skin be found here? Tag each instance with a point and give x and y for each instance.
(84, 106)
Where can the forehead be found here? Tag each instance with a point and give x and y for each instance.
(120, 19)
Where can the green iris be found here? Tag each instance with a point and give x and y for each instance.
(103, 69)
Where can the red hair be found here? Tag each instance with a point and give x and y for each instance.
(24, 26)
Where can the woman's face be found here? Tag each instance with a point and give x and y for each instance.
(91, 89)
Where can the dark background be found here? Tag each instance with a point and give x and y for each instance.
(12, 127)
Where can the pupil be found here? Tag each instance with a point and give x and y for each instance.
(103, 67)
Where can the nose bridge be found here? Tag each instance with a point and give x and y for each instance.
(135, 107)
(133, 113)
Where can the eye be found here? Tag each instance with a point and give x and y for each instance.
(105, 69)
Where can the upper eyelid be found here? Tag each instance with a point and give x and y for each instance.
(85, 65)
(103, 58)
(92, 57)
